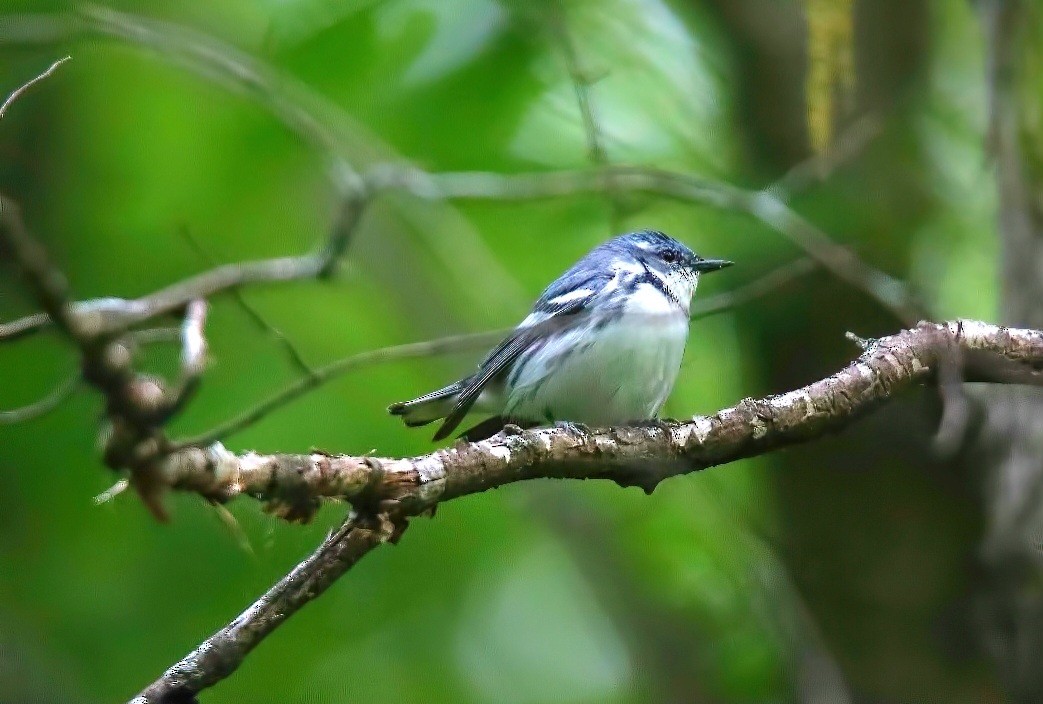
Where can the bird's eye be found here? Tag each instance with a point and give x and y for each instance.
(670, 256)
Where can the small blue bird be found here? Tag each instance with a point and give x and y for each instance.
(602, 345)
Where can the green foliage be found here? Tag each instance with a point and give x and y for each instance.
(556, 592)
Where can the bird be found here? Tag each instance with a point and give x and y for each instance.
(602, 346)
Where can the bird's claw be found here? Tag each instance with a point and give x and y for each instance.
(573, 427)
(663, 424)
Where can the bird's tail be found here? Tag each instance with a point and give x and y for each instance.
(429, 407)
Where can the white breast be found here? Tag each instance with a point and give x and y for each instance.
(606, 372)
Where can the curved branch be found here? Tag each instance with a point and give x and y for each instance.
(112, 315)
(44, 405)
(763, 206)
(292, 485)
(20, 91)
(385, 492)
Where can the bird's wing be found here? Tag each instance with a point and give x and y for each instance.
(560, 306)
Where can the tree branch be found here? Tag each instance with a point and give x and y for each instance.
(112, 315)
(763, 206)
(44, 405)
(329, 130)
(293, 484)
(385, 492)
(20, 91)
(222, 653)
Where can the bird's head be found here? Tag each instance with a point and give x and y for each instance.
(668, 255)
(672, 261)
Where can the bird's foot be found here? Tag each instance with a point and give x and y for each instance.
(659, 423)
(573, 427)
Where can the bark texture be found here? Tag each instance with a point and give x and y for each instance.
(386, 492)
(292, 485)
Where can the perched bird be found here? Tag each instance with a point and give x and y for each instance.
(602, 345)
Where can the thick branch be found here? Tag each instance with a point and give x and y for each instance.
(386, 491)
(293, 484)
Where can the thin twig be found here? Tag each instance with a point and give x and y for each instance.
(112, 492)
(891, 293)
(307, 113)
(769, 283)
(110, 315)
(849, 144)
(20, 91)
(581, 81)
(193, 358)
(46, 283)
(115, 314)
(222, 653)
(290, 350)
(335, 369)
(45, 405)
(580, 85)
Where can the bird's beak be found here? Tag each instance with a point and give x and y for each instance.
(705, 265)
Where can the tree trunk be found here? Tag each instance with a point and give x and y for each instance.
(1012, 628)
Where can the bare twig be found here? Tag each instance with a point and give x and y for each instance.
(223, 652)
(322, 375)
(848, 145)
(112, 492)
(24, 326)
(387, 491)
(885, 289)
(314, 118)
(193, 357)
(105, 363)
(767, 284)
(47, 284)
(291, 351)
(112, 315)
(45, 405)
(20, 91)
(581, 83)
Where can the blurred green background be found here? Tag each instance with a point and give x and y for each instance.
(840, 571)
